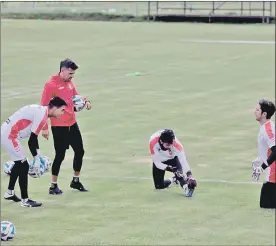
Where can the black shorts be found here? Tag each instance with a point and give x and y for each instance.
(268, 195)
(64, 136)
(159, 174)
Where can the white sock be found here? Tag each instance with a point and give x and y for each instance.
(54, 182)
(25, 200)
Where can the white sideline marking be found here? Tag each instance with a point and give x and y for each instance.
(226, 41)
(20, 94)
(149, 178)
(200, 180)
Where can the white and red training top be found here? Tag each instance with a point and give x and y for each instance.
(266, 140)
(159, 155)
(23, 122)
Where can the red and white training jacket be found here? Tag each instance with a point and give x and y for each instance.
(159, 155)
(266, 140)
(23, 122)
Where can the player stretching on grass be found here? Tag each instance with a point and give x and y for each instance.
(27, 122)
(267, 153)
(168, 155)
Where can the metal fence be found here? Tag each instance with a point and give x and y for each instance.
(212, 8)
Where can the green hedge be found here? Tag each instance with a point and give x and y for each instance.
(81, 16)
(73, 16)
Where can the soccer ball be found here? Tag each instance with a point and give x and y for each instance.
(78, 102)
(7, 230)
(8, 167)
(47, 162)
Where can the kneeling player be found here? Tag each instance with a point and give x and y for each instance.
(168, 155)
(27, 122)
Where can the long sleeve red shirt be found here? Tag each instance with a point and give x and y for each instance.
(66, 90)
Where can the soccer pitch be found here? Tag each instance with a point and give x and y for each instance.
(206, 92)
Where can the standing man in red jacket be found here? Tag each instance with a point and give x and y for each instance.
(65, 130)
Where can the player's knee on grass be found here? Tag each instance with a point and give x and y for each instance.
(159, 186)
(162, 185)
(167, 183)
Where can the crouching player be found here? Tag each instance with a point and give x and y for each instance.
(168, 155)
(27, 122)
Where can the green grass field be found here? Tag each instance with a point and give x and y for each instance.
(206, 92)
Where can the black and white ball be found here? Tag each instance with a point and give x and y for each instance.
(79, 103)
(7, 231)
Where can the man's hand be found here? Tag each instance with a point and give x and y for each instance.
(34, 170)
(257, 168)
(178, 174)
(192, 183)
(256, 173)
(257, 162)
(45, 134)
(88, 105)
(169, 168)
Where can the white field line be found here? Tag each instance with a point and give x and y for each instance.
(226, 41)
(18, 94)
(199, 181)
(69, 157)
(3, 154)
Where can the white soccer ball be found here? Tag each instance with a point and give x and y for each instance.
(8, 167)
(7, 231)
(78, 102)
(47, 162)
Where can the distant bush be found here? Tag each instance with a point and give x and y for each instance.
(86, 16)
(73, 16)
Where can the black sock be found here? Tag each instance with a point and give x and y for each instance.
(76, 179)
(53, 185)
(182, 182)
(23, 179)
(14, 175)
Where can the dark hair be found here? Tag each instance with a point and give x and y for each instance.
(57, 102)
(68, 63)
(268, 107)
(167, 136)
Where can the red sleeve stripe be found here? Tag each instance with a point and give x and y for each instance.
(177, 145)
(152, 143)
(269, 131)
(42, 123)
